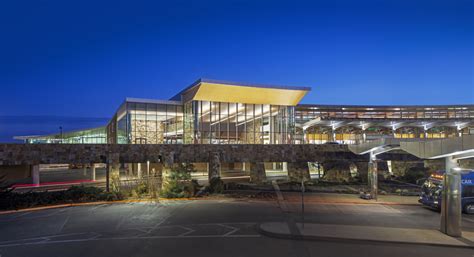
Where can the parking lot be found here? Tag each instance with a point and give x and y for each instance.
(201, 228)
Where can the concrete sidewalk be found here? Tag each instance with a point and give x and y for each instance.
(312, 231)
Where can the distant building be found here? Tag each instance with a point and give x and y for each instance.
(218, 112)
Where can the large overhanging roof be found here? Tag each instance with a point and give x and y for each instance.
(219, 91)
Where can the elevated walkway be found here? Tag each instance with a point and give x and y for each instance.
(458, 147)
(379, 145)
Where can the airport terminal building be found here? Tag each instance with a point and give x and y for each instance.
(220, 112)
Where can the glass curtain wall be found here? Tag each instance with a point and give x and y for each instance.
(237, 123)
(87, 136)
(150, 123)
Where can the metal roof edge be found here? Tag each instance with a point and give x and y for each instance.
(155, 101)
(232, 83)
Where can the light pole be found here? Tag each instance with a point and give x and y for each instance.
(302, 200)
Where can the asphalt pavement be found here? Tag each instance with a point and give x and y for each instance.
(220, 227)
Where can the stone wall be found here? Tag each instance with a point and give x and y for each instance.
(336, 171)
(298, 171)
(257, 172)
(434, 165)
(30, 154)
(400, 168)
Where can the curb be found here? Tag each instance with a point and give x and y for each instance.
(39, 208)
(47, 207)
(62, 206)
(348, 240)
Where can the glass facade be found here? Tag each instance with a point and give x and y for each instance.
(351, 124)
(201, 122)
(147, 123)
(237, 123)
(308, 112)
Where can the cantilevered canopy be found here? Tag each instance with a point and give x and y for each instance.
(218, 91)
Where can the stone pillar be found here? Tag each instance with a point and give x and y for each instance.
(285, 166)
(84, 170)
(298, 171)
(214, 165)
(115, 177)
(243, 166)
(373, 176)
(257, 172)
(362, 169)
(92, 171)
(112, 178)
(337, 171)
(35, 174)
(167, 165)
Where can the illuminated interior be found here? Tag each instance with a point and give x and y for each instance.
(238, 123)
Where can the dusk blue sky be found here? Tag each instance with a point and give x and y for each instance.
(82, 58)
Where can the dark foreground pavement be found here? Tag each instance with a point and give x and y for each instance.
(199, 228)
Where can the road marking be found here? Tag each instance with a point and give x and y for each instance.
(189, 230)
(234, 229)
(122, 220)
(33, 217)
(158, 224)
(64, 224)
(95, 238)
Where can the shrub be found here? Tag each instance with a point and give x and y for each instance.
(142, 188)
(178, 183)
(75, 194)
